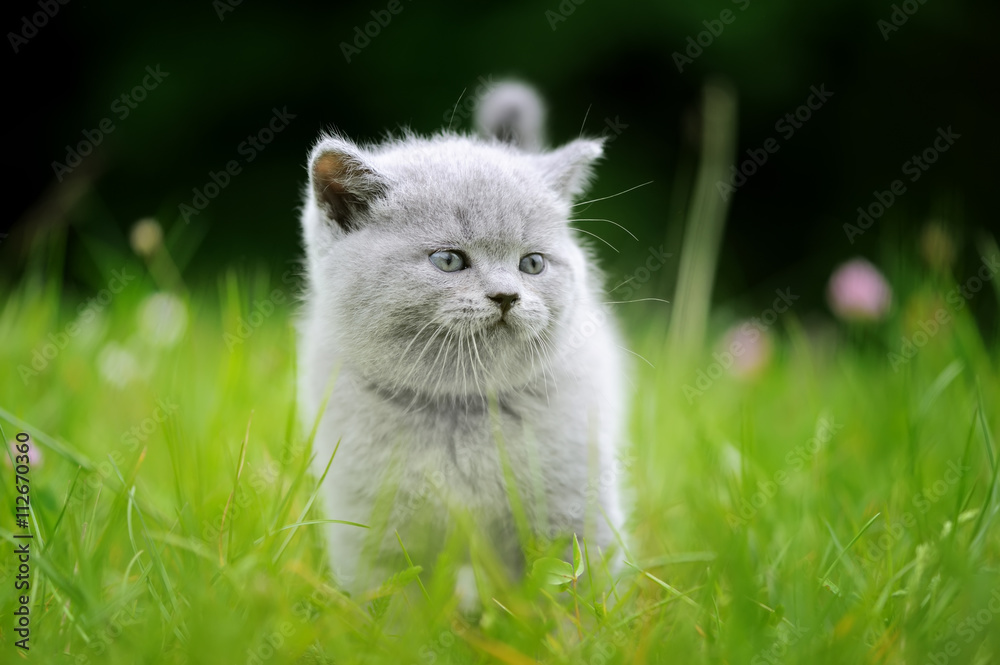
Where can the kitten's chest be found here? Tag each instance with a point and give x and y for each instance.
(465, 446)
(455, 452)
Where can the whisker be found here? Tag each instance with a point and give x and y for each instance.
(622, 302)
(546, 364)
(536, 348)
(604, 198)
(413, 366)
(582, 124)
(426, 346)
(444, 345)
(461, 357)
(609, 222)
(599, 238)
(639, 356)
(402, 356)
(478, 360)
(621, 285)
(455, 110)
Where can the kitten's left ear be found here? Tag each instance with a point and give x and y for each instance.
(569, 169)
(344, 181)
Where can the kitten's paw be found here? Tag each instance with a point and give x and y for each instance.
(467, 592)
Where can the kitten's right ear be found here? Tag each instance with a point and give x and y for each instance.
(344, 181)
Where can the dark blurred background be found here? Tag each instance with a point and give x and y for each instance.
(229, 65)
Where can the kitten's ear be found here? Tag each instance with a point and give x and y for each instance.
(513, 113)
(569, 169)
(344, 181)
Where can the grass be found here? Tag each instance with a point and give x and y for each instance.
(828, 510)
(836, 505)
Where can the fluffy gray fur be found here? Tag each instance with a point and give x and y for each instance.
(430, 379)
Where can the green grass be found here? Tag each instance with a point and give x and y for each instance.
(808, 515)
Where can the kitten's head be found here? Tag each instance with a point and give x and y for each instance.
(446, 265)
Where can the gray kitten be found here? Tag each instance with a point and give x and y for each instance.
(459, 326)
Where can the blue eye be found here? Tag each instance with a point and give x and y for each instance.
(448, 261)
(533, 264)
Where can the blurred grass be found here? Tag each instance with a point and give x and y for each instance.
(132, 561)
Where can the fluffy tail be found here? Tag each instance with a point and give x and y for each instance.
(513, 113)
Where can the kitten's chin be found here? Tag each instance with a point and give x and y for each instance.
(495, 357)
(510, 327)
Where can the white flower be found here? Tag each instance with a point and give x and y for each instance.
(117, 365)
(162, 319)
(146, 237)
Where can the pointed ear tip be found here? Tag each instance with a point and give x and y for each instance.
(325, 164)
(592, 148)
(331, 154)
(331, 143)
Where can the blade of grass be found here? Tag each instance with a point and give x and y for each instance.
(409, 562)
(232, 494)
(62, 511)
(848, 547)
(989, 510)
(78, 458)
(280, 512)
(309, 503)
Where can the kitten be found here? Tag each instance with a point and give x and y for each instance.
(460, 323)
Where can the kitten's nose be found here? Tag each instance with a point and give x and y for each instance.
(505, 300)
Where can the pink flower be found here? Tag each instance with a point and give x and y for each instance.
(750, 348)
(34, 454)
(858, 292)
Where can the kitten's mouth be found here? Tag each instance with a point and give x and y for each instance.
(502, 323)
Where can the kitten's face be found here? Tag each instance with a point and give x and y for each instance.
(456, 279)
